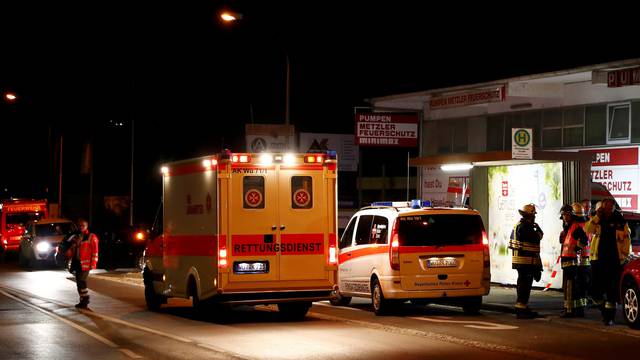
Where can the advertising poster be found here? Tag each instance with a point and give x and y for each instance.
(510, 188)
(444, 188)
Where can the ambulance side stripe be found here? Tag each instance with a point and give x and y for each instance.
(373, 250)
(192, 245)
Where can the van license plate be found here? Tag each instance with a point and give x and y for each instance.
(442, 262)
(251, 267)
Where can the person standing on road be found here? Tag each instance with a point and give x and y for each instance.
(525, 245)
(574, 241)
(611, 241)
(84, 253)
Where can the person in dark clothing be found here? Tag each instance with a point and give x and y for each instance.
(574, 242)
(610, 247)
(525, 246)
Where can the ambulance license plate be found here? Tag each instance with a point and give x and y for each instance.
(251, 267)
(442, 262)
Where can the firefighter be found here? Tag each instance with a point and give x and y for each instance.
(84, 252)
(525, 244)
(573, 240)
(611, 241)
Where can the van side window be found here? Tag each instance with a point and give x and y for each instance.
(363, 233)
(301, 192)
(347, 236)
(379, 230)
(253, 192)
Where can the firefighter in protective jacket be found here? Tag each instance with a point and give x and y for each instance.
(574, 245)
(84, 255)
(610, 246)
(525, 246)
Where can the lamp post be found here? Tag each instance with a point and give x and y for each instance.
(230, 17)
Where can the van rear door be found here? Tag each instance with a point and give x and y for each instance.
(441, 251)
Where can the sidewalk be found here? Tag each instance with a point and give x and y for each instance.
(502, 298)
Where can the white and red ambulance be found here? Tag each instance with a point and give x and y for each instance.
(243, 228)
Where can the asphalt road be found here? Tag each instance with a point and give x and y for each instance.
(38, 321)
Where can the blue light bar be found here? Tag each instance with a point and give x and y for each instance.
(414, 204)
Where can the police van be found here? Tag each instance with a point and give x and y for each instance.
(243, 228)
(394, 252)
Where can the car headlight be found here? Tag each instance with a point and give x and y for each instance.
(43, 246)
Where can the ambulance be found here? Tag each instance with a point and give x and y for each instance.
(14, 216)
(393, 252)
(246, 228)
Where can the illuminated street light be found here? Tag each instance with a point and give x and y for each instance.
(228, 16)
(11, 97)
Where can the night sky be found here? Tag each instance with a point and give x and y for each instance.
(191, 82)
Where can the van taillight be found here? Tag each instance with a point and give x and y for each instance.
(485, 249)
(394, 249)
(332, 256)
(222, 255)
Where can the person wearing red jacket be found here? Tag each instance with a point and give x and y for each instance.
(84, 253)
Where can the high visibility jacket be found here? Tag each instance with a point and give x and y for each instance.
(87, 251)
(623, 236)
(574, 244)
(525, 246)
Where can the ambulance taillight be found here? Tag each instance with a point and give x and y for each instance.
(485, 249)
(222, 255)
(240, 158)
(312, 159)
(332, 256)
(394, 249)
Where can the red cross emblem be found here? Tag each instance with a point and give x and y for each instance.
(467, 283)
(253, 198)
(301, 198)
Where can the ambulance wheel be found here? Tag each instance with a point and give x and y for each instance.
(153, 300)
(630, 302)
(381, 306)
(340, 300)
(294, 310)
(472, 305)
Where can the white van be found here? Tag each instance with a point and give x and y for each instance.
(393, 252)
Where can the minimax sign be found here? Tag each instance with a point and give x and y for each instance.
(387, 129)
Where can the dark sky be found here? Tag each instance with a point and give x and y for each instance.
(190, 82)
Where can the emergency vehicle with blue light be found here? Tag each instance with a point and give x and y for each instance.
(246, 228)
(394, 252)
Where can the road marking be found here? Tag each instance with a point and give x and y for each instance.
(68, 322)
(484, 325)
(91, 313)
(444, 338)
(130, 353)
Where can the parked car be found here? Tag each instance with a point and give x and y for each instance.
(122, 248)
(633, 219)
(392, 253)
(630, 293)
(40, 240)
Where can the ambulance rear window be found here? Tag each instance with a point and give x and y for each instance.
(301, 192)
(440, 230)
(253, 192)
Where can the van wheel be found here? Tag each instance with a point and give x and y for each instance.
(340, 300)
(630, 302)
(294, 310)
(471, 306)
(381, 306)
(153, 300)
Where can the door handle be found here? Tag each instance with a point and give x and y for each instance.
(273, 227)
(281, 227)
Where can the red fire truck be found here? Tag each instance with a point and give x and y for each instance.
(14, 215)
(247, 229)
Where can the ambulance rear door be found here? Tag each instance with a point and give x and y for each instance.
(253, 223)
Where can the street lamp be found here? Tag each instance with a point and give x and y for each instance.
(10, 97)
(229, 17)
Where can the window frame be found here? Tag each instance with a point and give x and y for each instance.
(627, 104)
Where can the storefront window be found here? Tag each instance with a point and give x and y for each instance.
(618, 123)
(495, 135)
(552, 129)
(573, 127)
(595, 123)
